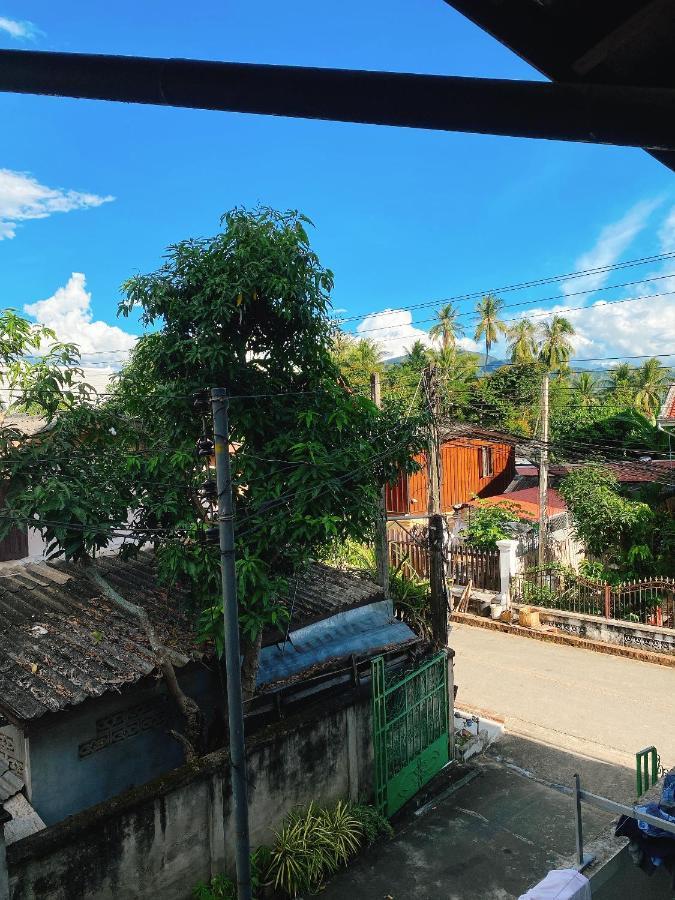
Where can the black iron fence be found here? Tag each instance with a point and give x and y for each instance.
(647, 602)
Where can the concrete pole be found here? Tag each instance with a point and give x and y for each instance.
(507, 568)
(543, 473)
(4, 873)
(235, 707)
(381, 537)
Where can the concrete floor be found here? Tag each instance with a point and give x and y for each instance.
(491, 840)
(565, 711)
(599, 707)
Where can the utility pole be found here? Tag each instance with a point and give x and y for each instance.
(434, 447)
(381, 536)
(439, 601)
(543, 473)
(235, 707)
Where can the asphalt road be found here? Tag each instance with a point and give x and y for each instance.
(594, 706)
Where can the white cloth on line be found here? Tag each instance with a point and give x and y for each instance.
(560, 884)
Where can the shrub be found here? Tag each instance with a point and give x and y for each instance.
(313, 844)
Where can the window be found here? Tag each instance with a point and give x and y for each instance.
(485, 462)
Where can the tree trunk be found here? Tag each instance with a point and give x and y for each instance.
(249, 668)
(193, 740)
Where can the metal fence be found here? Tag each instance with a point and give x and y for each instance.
(646, 602)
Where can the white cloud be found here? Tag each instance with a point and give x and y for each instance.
(68, 313)
(22, 198)
(393, 331)
(613, 240)
(20, 30)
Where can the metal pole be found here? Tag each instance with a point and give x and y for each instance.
(598, 113)
(235, 708)
(578, 826)
(381, 536)
(543, 474)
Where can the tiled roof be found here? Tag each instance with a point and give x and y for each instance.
(667, 414)
(528, 501)
(630, 472)
(62, 641)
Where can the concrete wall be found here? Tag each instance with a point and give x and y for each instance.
(626, 634)
(164, 837)
(108, 745)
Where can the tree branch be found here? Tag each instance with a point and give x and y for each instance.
(193, 741)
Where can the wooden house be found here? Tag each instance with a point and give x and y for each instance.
(469, 467)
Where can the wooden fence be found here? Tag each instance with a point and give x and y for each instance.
(647, 602)
(409, 552)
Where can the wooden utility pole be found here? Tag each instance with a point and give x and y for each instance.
(434, 443)
(381, 536)
(543, 473)
(439, 600)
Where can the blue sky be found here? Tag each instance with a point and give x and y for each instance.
(402, 216)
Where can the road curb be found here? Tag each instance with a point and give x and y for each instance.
(557, 637)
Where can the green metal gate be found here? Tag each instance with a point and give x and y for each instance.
(410, 730)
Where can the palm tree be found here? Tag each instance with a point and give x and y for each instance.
(458, 371)
(367, 355)
(585, 389)
(522, 341)
(556, 349)
(416, 357)
(489, 324)
(651, 380)
(447, 328)
(621, 384)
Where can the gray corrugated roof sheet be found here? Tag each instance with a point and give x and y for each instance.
(363, 630)
(62, 641)
(322, 591)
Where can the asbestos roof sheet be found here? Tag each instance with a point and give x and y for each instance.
(62, 641)
(321, 591)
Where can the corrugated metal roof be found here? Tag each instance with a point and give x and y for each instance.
(360, 630)
(62, 641)
(667, 414)
(323, 590)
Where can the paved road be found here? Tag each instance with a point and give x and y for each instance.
(594, 705)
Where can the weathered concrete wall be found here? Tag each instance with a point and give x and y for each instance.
(108, 745)
(164, 837)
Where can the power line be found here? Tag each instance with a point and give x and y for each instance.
(472, 314)
(581, 273)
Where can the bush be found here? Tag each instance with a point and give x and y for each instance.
(488, 524)
(314, 843)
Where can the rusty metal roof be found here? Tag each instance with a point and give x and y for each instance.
(62, 641)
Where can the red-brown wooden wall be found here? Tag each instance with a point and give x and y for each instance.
(460, 478)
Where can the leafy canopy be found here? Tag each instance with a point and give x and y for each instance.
(245, 309)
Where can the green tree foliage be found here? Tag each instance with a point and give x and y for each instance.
(508, 398)
(448, 328)
(651, 382)
(522, 337)
(489, 523)
(585, 389)
(629, 535)
(357, 360)
(245, 309)
(490, 325)
(556, 348)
